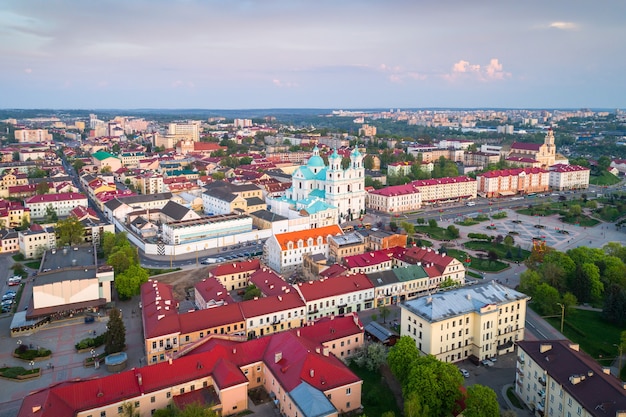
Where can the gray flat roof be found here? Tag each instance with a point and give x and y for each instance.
(446, 304)
(65, 274)
(68, 257)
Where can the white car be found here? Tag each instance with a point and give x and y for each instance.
(465, 373)
(209, 261)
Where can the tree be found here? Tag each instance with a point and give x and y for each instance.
(128, 283)
(105, 169)
(569, 301)
(437, 382)
(384, 313)
(70, 231)
(614, 309)
(448, 282)
(413, 406)
(509, 241)
(401, 357)
(78, 165)
(51, 214)
(129, 410)
(37, 172)
(575, 210)
(408, 228)
(453, 232)
(115, 338)
(218, 176)
(371, 356)
(432, 223)
(546, 298)
(481, 401)
(251, 292)
(587, 285)
(368, 162)
(120, 259)
(42, 188)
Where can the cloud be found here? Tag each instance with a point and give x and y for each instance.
(466, 70)
(397, 74)
(28, 70)
(563, 25)
(282, 84)
(181, 84)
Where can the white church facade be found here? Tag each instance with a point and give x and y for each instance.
(337, 191)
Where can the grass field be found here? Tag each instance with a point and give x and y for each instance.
(499, 248)
(376, 396)
(595, 336)
(605, 179)
(437, 233)
(478, 264)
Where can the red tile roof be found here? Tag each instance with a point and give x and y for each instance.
(526, 146)
(236, 267)
(331, 328)
(284, 238)
(212, 289)
(334, 271)
(369, 258)
(439, 181)
(228, 314)
(159, 309)
(428, 258)
(567, 168)
(513, 172)
(271, 305)
(329, 287)
(396, 190)
(49, 198)
(269, 282)
(522, 159)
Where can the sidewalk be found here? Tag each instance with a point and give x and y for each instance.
(520, 411)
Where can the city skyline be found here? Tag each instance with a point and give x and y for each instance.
(299, 54)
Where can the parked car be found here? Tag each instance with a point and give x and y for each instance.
(465, 373)
(494, 359)
(487, 363)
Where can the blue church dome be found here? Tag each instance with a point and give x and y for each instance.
(315, 161)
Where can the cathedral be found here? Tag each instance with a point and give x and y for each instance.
(535, 154)
(335, 186)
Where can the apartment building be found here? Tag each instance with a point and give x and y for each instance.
(568, 177)
(9, 241)
(554, 378)
(210, 293)
(32, 135)
(399, 169)
(131, 159)
(273, 314)
(447, 189)
(13, 214)
(62, 204)
(395, 199)
(507, 182)
(190, 130)
(474, 322)
(102, 160)
(34, 241)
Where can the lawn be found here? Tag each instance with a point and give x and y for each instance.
(605, 179)
(376, 396)
(476, 263)
(33, 264)
(499, 248)
(581, 220)
(499, 215)
(437, 233)
(470, 221)
(595, 336)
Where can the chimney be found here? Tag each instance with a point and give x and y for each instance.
(606, 370)
(298, 332)
(325, 351)
(574, 346)
(36, 408)
(312, 373)
(278, 356)
(234, 351)
(545, 347)
(317, 350)
(139, 380)
(169, 360)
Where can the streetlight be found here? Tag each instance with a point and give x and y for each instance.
(562, 315)
(619, 360)
(32, 365)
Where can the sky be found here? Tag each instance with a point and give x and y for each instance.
(339, 54)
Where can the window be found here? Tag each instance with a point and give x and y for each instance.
(103, 414)
(136, 404)
(348, 391)
(348, 404)
(152, 399)
(168, 395)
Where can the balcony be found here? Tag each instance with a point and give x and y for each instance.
(168, 347)
(542, 381)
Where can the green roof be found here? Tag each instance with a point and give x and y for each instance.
(102, 155)
(410, 273)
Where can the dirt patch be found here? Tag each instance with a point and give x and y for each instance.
(183, 281)
(259, 396)
(393, 385)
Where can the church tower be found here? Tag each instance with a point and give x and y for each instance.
(549, 154)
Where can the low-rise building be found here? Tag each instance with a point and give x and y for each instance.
(335, 296)
(235, 275)
(284, 251)
(341, 246)
(9, 241)
(61, 204)
(395, 199)
(210, 292)
(554, 378)
(196, 230)
(34, 241)
(276, 313)
(478, 321)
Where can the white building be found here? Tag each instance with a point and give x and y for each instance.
(36, 240)
(196, 230)
(62, 204)
(479, 321)
(32, 135)
(338, 187)
(190, 130)
(284, 251)
(554, 378)
(395, 199)
(568, 177)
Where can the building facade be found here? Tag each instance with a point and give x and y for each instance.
(568, 177)
(480, 321)
(554, 378)
(507, 182)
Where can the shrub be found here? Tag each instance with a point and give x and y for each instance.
(30, 354)
(91, 342)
